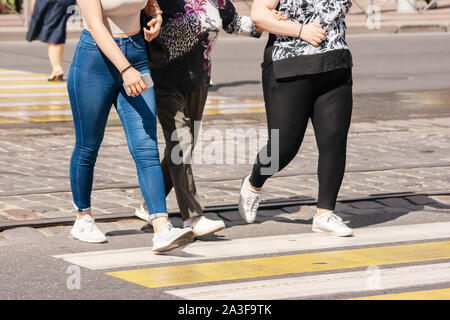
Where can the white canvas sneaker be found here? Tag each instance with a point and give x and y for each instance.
(142, 213)
(170, 238)
(85, 230)
(203, 225)
(331, 223)
(249, 200)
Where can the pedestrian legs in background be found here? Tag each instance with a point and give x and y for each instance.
(55, 55)
(48, 24)
(18, 5)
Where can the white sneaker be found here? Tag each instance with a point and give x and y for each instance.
(202, 225)
(331, 223)
(85, 230)
(170, 238)
(249, 200)
(142, 213)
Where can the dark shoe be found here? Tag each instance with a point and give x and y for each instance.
(58, 77)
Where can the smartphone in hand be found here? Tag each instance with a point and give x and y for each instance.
(147, 80)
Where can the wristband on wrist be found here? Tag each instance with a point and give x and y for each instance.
(300, 32)
(121, 72)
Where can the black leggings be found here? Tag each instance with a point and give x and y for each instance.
(326, 98)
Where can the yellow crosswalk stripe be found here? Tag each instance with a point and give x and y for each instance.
(437, 294)
(230, 111)
(6, 120)
(22, 75)
(24, 82)
(48, 118)
(282, 265)
(34, 108)
(33, 90)
(49, 98)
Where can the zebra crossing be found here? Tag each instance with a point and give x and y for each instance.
(295, 266)
(29, 97)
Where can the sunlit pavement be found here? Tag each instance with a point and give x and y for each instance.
(29, 97)
(398, 144)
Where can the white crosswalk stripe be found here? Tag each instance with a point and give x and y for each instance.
(33, 103)
(109, 259)
(324, 284)
(392, 258)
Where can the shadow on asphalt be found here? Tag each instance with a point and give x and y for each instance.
(356, 214)
(217, 87)
(363, 217)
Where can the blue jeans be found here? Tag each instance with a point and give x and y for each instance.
(94, 85)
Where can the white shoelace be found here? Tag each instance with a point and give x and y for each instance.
(168, 226)
(89, 223)
(253, 200)
(334, 219)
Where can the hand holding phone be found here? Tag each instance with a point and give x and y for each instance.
(147, 81)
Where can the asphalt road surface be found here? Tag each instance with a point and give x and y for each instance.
(383, 63)
(401, 245)
(395, 76)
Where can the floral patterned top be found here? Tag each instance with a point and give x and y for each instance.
(332, 53)
(190, 29)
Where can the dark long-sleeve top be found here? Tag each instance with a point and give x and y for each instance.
(189, 30)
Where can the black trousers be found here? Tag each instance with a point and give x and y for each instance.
(18, 5)
(326, 98)
(178, 111)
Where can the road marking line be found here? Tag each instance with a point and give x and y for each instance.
(37, 95)
(33, 110)
(48, 118)
(158, 277)
(323, 284)
(28, 77)
(8, 72)
(33, 105)
(5, 120)
(234, 106)
(233, 111)
(27, 113)
(34, 100)
(26, 83)
(33, 86)
(110, 259)
(33, 90)
(437, 294)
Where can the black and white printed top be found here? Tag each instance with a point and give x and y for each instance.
(189, 30)
(292, 56)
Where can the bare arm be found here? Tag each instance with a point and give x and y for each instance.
(153, 10)
(263, 17)
(93, 14)
(33, 3)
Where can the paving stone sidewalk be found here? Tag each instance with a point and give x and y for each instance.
(383, 157)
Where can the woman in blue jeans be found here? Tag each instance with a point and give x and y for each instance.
(107, 69)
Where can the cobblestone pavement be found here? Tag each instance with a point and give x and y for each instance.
(383, 157)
